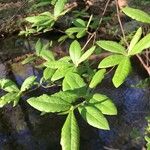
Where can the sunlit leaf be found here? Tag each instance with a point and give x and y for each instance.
(75, 52)
(104, 104)
(72, 81)
(48, 73)
(8, 85)
(70, 135)
(144, 43)
(111, 61)
(94, 117)
(135, 39)
(97, 78)
(137, 14)
(122, 72)
(47, 103)
(112, 46)
(87, 54)
(28, 83)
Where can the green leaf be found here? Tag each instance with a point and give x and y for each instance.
(144, 43)
(29, 59)
(137, 14)
(47, 55)
(111, 61)
(74, 30)
(57, 64)
(81, 33)
(69, 96)
(73, 81)
(48, 73)
(122, 72)
(8, 85)
(59, 7)
(97, 78)
(61, 72)
(94, 117)
(28, 83)
(38, 47)
(79, 23)
(75, 52)
(48, 104)
(70, 135)
(112, 46)
(135, 39)
(9, 97)
(104, 104)
(87, 54)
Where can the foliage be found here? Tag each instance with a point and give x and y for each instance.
(74, 74)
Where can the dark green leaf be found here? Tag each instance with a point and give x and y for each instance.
(70, 135)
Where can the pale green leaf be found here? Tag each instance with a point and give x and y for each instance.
(47, 103)
(59, 7)
(48, 73)
(122, 72)
(104, 104)
(112, 46)
(75, 52)
(87, 54)
(111, 61)
(135, 39)
(94, 117)
(97, 78)
(70, 135)
(57, 64)
(137, 14)
(73, 81)
(81, 34)
(29, 59)
(79, 23)
(38, 47)
(144, 43)
(28, 83)
(9, 97)
(47, 55)
(8, 85)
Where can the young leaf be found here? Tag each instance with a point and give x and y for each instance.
(94, 117)
(137, 14)
(38, 47)
(104, 104)
(141, 45)
(73, 81)
(47, 55)
(122, 72)
(69, 96)
(8, 85)
(59, 7)
(87, 54)
(48, 73)
(28, 83)
(9, 97)
(97, 78)
(57, 64)
(111, 61)
(48, 104)
(75, 52)
(112, 46)
(135, 39)
(70, 135)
